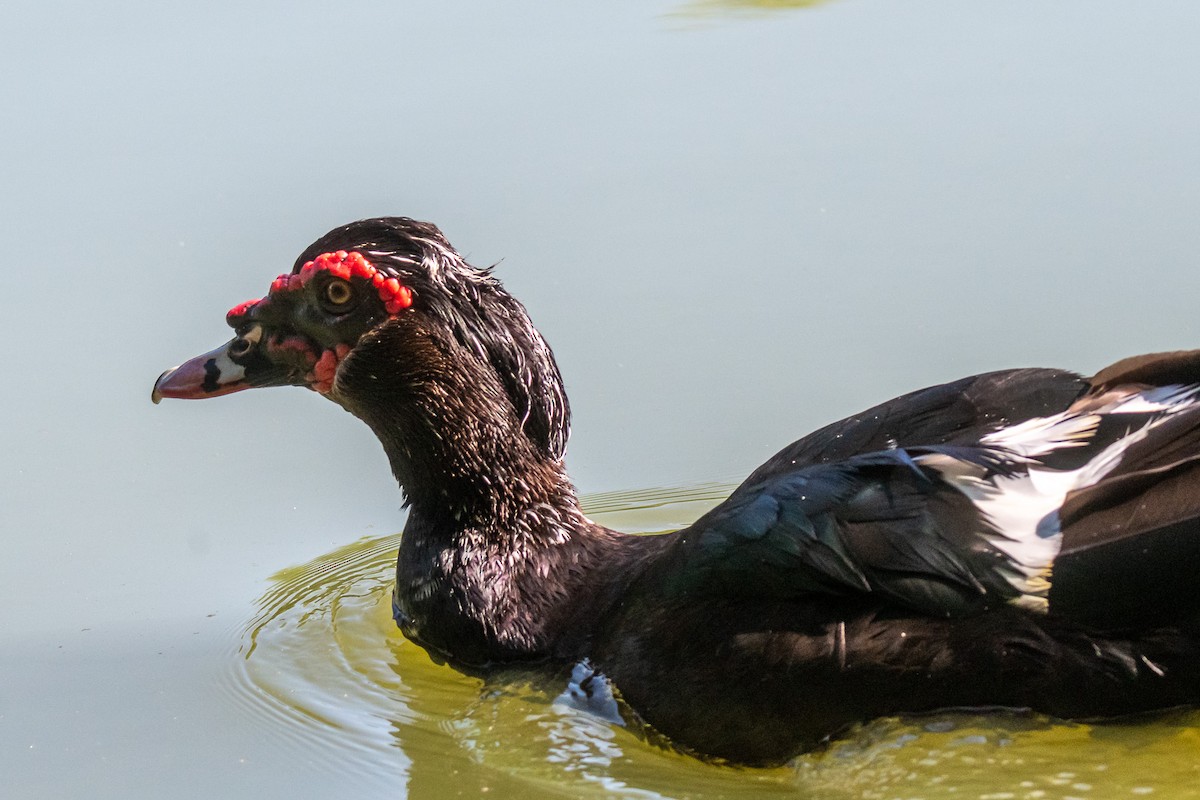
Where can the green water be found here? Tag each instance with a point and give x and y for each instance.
(323, 666)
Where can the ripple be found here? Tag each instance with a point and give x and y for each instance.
(315, 659)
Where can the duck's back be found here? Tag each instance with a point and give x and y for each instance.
(961, 411)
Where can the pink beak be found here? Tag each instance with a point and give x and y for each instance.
(210, 375)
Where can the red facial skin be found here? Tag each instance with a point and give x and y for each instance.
(323, 372)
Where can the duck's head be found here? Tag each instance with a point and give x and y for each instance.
(385, 318)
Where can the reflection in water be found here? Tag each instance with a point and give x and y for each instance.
(324, 666)
(703, 7)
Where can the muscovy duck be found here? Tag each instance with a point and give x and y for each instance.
(1026, 538)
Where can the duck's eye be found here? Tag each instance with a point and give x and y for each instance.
(337, 295)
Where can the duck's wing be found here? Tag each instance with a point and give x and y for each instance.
(849, 507)
(889, 523)
(950, 529)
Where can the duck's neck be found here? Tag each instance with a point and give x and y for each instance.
(511, 570)
(497, 562)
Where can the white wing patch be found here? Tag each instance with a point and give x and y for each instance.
(1164, 399)
(1041, 436)
(1021, 509)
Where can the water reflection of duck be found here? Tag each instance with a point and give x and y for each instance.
(1025, 538)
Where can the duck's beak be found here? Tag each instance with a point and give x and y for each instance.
(210, 375)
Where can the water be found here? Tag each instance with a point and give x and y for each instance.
(733, 221)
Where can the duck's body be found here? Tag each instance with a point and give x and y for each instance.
(1027, 538)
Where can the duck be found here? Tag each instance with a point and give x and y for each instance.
(1017, 539)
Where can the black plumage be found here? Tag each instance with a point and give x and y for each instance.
(1023, 538)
